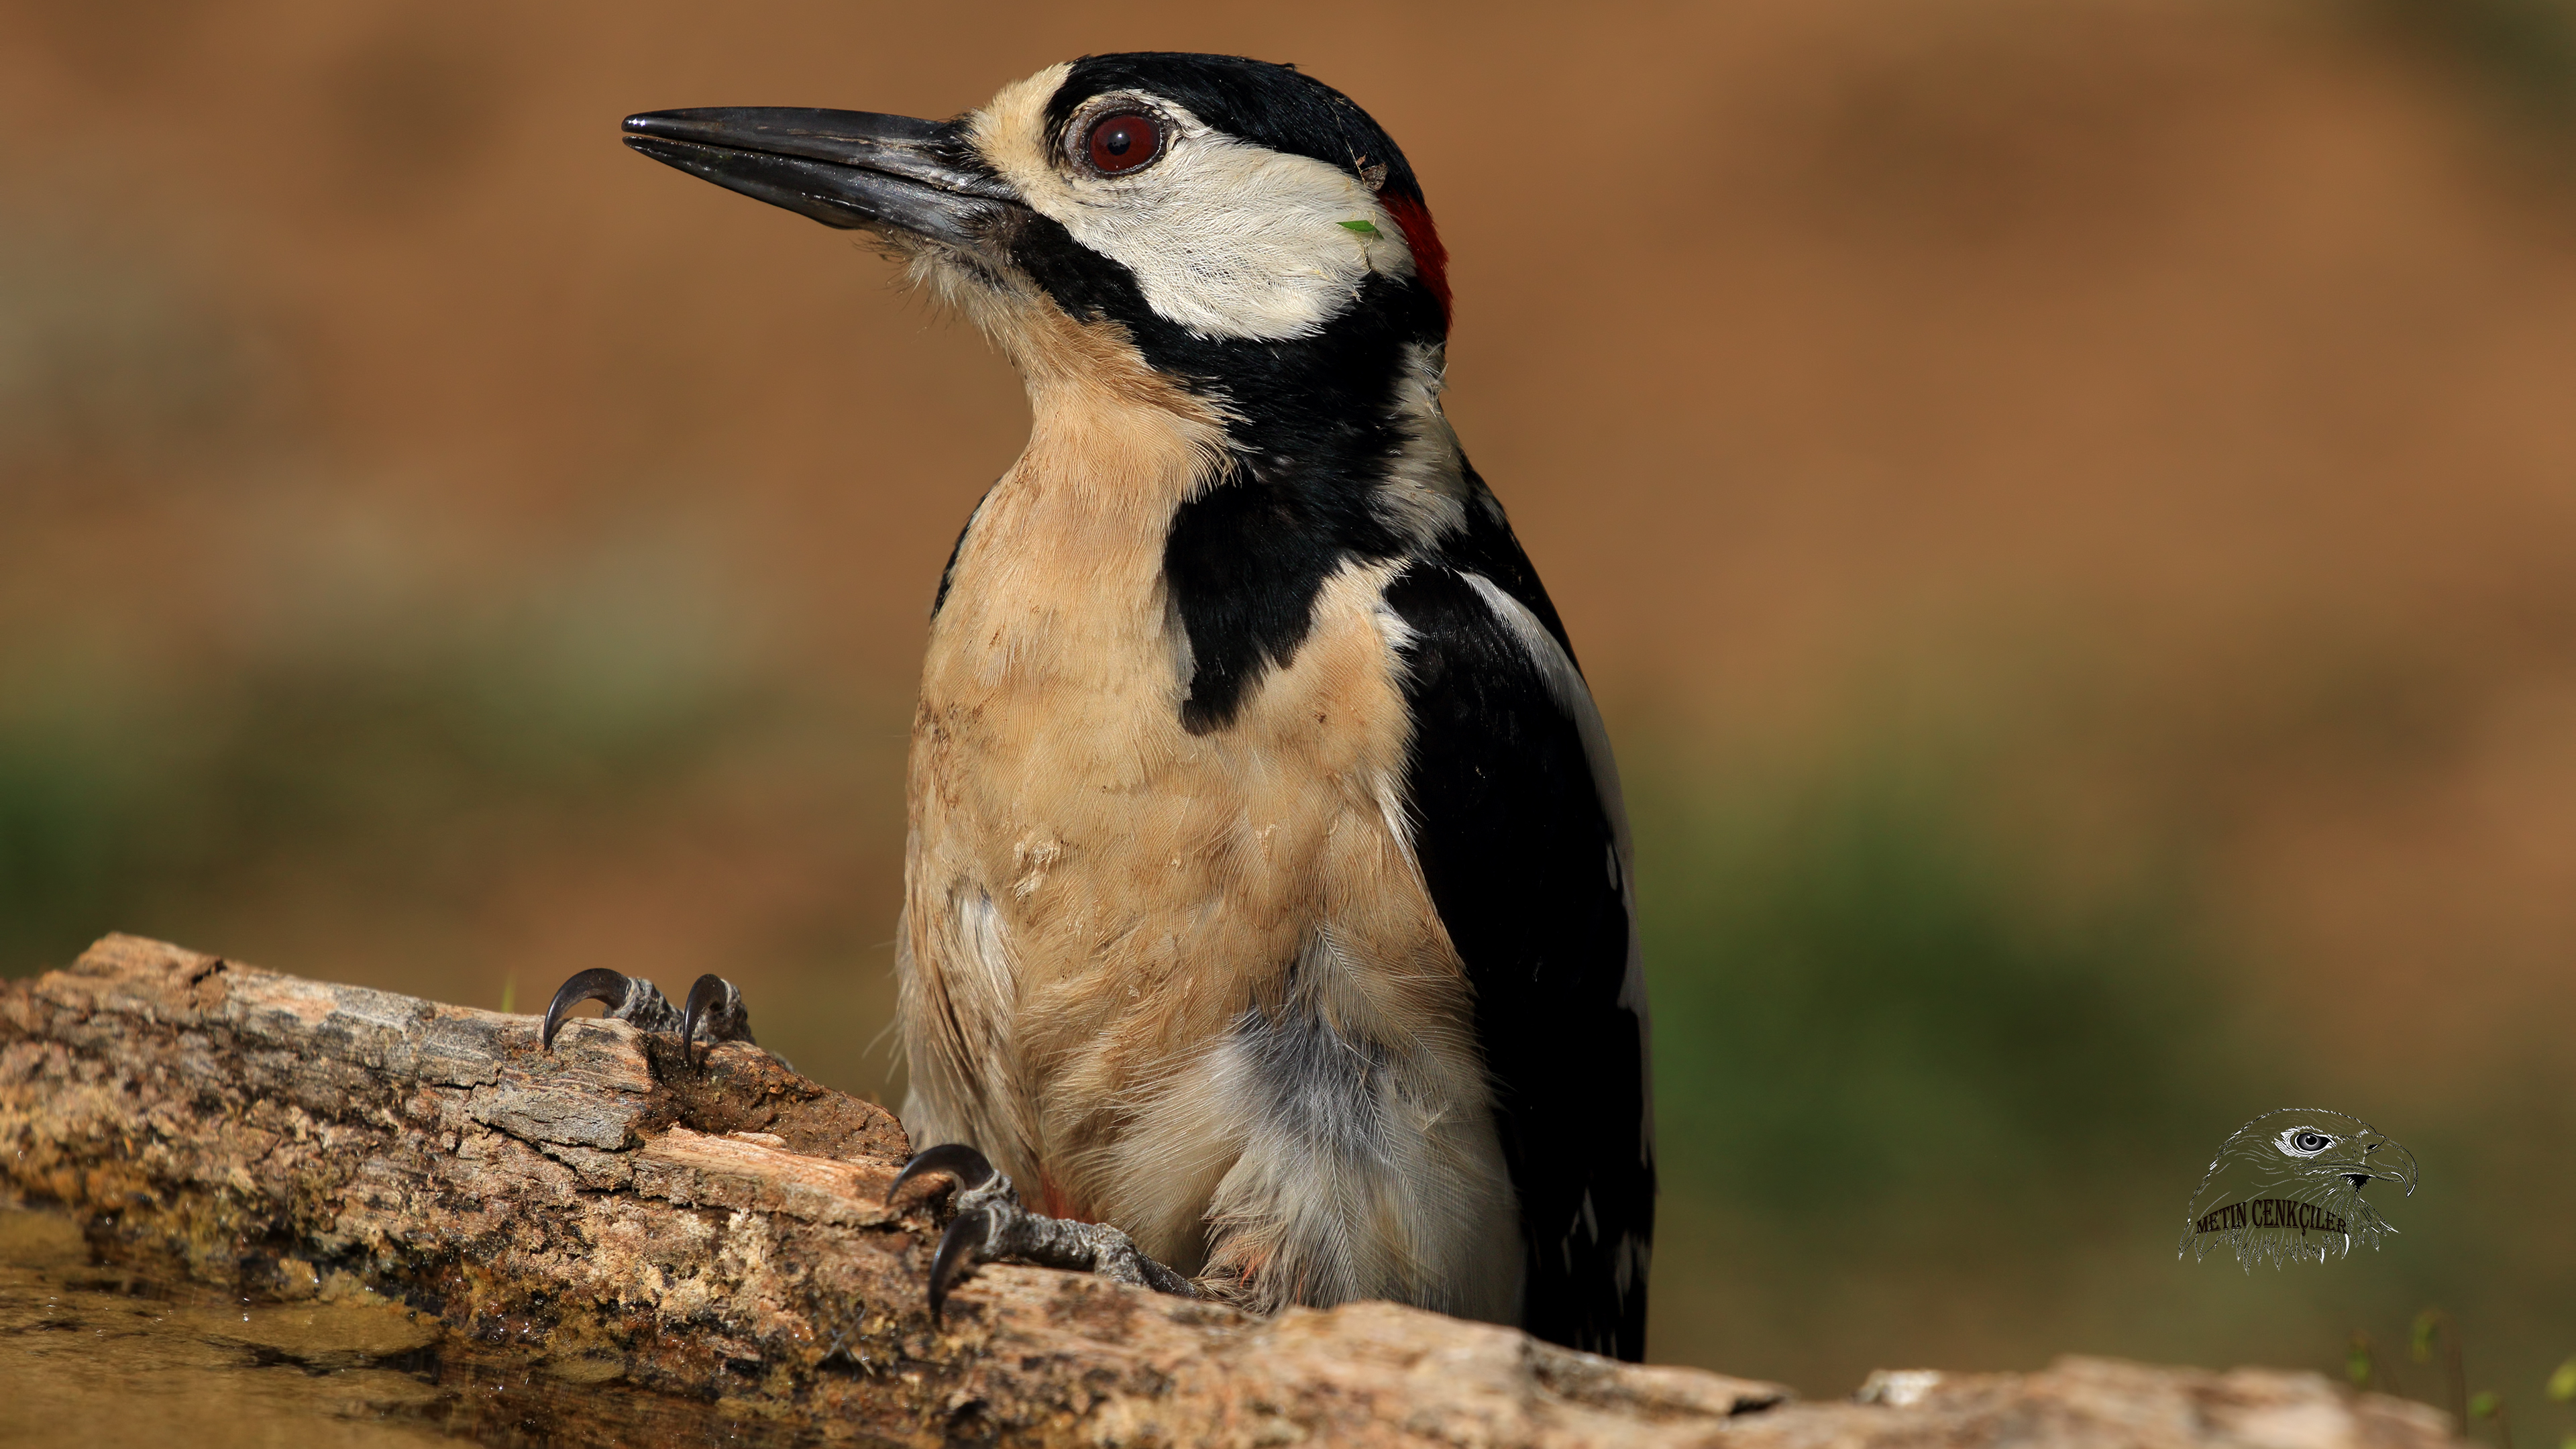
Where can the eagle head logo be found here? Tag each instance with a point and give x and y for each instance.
(2288, 1187)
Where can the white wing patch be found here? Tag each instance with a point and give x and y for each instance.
(1565, 684)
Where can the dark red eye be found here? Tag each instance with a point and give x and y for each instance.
(1123, 142)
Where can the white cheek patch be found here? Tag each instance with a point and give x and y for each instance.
(1232, 240)
(1225, 238)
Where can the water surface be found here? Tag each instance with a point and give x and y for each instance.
(110, 1350)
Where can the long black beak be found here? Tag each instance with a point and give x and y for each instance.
(848, 169)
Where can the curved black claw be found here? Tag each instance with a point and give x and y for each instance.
(714, 1002)
(991, 1226)
(958, 1248)
(956, 1159)
(599, 984)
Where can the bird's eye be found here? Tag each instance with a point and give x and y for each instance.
(2311, 1141)
(1123, 142)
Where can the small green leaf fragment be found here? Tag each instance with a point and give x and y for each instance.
(2482, 1404)
(2562, 1384)
(1364, 228)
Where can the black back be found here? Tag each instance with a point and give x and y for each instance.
(1518, 850)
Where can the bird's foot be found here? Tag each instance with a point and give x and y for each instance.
(991, 1227)
(714, 1007)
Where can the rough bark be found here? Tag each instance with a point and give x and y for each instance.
(715, 1233)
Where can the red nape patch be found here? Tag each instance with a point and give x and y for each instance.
(1430, 258)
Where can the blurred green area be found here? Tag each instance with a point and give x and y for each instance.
(399, 766)
(587, 767)
(1921, 1105)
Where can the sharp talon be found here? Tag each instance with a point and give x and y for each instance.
(956, 1159)
(956, 1250)
(992, 1227)
(706, 999)
(596, 984)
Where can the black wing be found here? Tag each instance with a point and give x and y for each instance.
(1522, 842)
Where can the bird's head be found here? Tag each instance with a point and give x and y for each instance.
(2358, 1153)
(2328, 1155)
(1229, 219)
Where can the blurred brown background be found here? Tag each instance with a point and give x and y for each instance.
(2069, 508)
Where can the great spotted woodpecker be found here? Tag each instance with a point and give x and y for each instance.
(1268, 907)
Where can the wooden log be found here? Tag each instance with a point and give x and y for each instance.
(714, 1232)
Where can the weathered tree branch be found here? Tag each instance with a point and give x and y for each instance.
(716, 1232)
